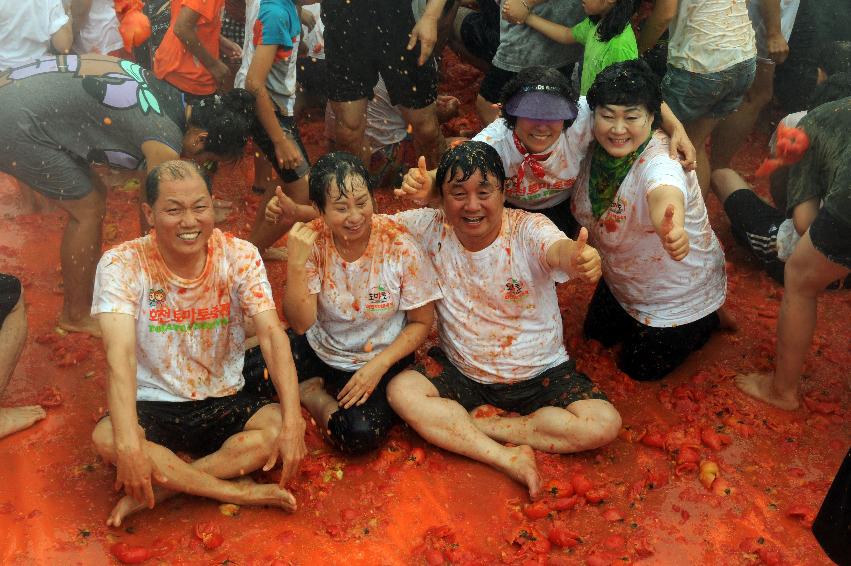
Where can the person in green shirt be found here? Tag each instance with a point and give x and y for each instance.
(606, 33)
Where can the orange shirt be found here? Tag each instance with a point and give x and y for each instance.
(174, 63)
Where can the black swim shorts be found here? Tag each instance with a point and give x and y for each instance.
(558, 386)
(198, 427)
(366, 37)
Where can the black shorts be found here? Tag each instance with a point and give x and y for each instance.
(480, 31)
(495, 79)
(264, 142)
(649, 353)
(555, 387)
(312, 76)
(832, 237)
(354, 430)
(754, 224)
(198, 427)
(10, 294)
(366, 37)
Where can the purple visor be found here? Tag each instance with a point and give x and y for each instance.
(539, 105)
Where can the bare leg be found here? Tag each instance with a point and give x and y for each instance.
(698, 132)
(807, 273)
(317, 401)
(488, 112)
(734, 129)
(351, 128)
(582, 425)
(13, 334)
(725, 182)
(446, 424)
(79, 253)
(239, 455)
(428, 138)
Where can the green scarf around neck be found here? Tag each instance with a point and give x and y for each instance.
(606, 175)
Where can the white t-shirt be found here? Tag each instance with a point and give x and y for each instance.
(99, 33)
(561, 167)
(26, 29)
(189, 333)
(653, 288)
(499, 319)
(361, 304)
(708, 36)
(252, 8)
(385, 124)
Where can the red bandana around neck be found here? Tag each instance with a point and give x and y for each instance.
(531, 160)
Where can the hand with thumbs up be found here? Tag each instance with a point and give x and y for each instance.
(584, 260)
(418, 184)
(673, 235)
(281, 208)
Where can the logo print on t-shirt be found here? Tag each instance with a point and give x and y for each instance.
(156, 297)
(515, 290)
(379, 299)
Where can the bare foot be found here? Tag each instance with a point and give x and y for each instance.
(270, 495)
(222, 210)
(274, 254)
(761, 386)
(727, 320)
(14, 419)
(127, 506)
(521, 467)
(87, 325)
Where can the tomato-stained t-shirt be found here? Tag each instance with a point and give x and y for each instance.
(361, 304)
(499, 319)
(189, 332)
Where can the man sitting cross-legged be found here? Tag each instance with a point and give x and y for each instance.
(172, 307)
(500, 327)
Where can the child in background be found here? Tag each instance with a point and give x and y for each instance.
(606, 33)
(271, 77)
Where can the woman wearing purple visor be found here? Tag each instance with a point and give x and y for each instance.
(542, 138)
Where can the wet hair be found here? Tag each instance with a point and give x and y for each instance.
(612, 23)
(537, 75)
(173, 170)
(835, 58)
(837, 85)
(466, 158)
(227, 119)
(340, 167)
(628, 83)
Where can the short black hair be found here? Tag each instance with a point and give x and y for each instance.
(836, 58)
(466, 158)
(628, 83)
(533, 76)
(228, 120)
(337, 166)
(172, 171)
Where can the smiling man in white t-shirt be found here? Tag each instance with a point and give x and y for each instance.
(172, 307)
(500, 328)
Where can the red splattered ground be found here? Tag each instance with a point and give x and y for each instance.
(636, 500)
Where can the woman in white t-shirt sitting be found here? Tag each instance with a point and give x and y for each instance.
(663, 268)
(361, 291)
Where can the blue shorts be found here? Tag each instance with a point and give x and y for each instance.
(714, 95)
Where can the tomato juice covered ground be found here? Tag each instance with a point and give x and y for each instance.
(640, 499)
